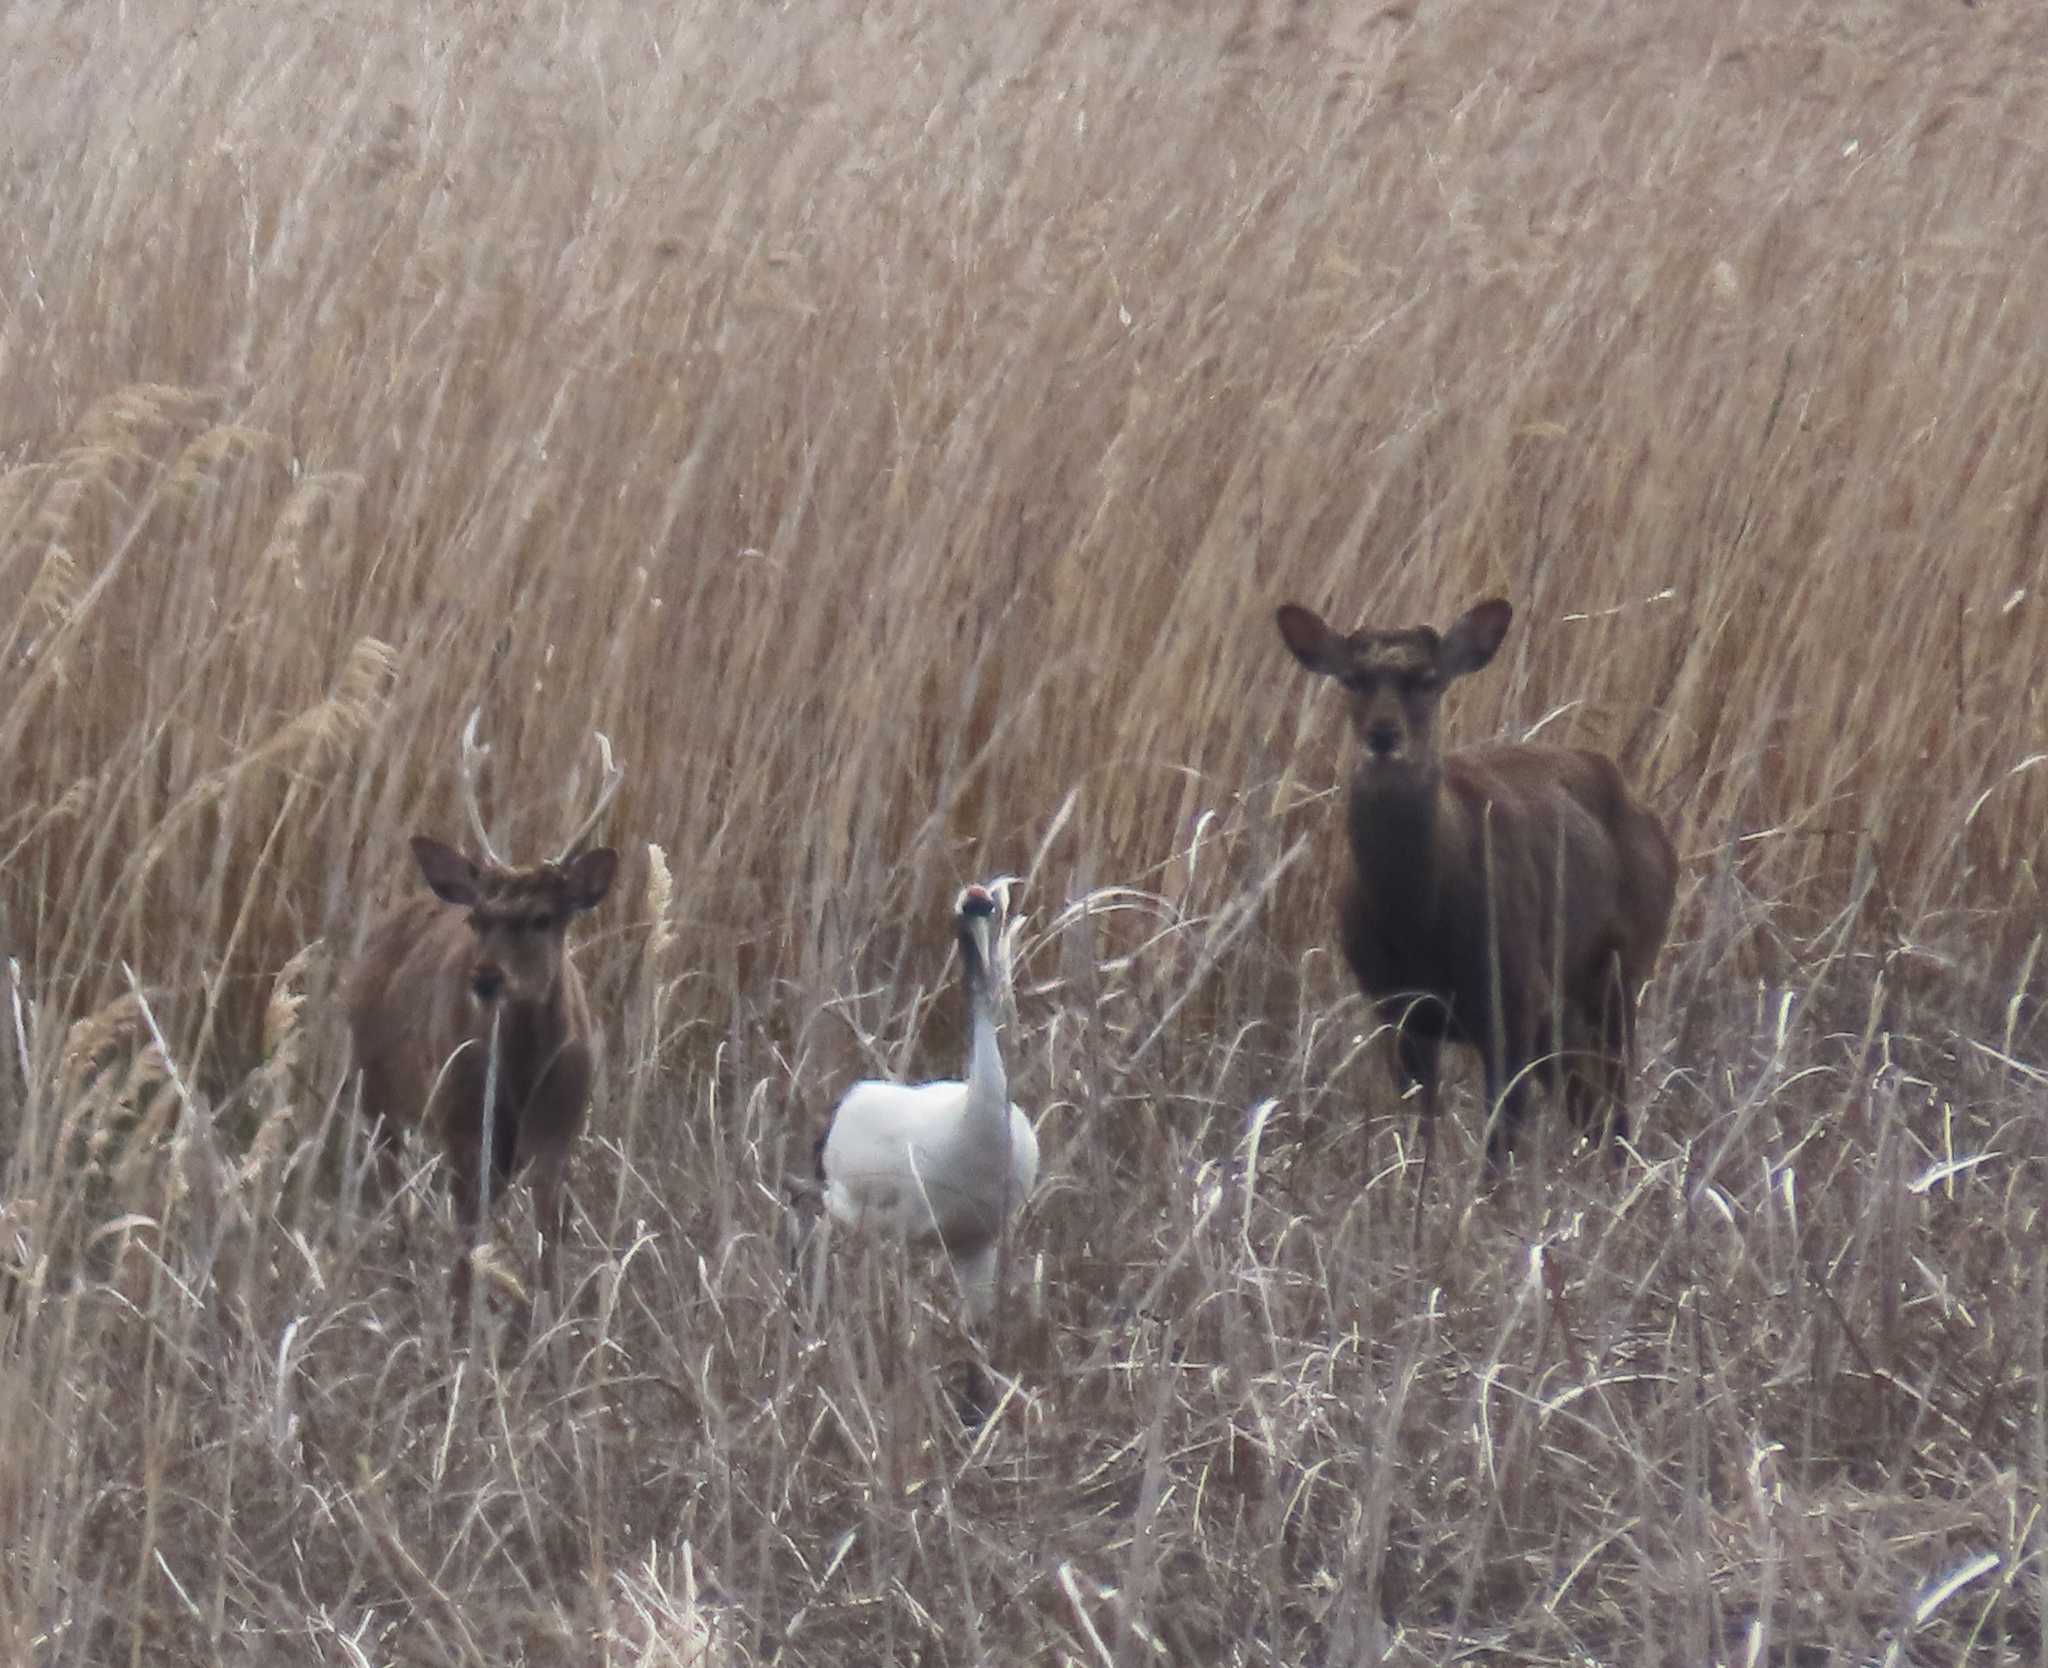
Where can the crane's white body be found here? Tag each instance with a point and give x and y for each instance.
(951, 1161)
(906, 1160)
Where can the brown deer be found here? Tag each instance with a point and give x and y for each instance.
(1511, 897)
(469, 994)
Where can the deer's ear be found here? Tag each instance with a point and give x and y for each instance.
(1313, 643)
(452, 877)
(1473, 638)
(590, 877)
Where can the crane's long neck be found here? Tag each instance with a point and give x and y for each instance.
(988, 1088)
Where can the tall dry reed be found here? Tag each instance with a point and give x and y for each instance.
(893, 425)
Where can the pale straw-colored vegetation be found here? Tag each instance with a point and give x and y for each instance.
(893, 426)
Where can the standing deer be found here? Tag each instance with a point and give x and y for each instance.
(1511, 897)
(470, 993)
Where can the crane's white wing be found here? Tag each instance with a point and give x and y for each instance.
(895, 1161)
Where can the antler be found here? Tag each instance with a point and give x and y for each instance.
(613, 776)
(474, 753)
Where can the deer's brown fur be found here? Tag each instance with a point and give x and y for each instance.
(434, 974)
(1512, 898)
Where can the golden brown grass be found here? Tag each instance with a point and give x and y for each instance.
(894, 425)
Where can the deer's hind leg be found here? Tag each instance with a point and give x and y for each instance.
(1504, 1039)
(380, 1185)
(376, 1103)
(1602, 1062)
(387, 1157)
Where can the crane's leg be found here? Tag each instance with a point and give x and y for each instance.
(816, 1246)
(977, 1272)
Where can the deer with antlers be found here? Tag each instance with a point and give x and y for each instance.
(466, 1000)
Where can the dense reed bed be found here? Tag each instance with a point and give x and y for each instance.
(893, 426)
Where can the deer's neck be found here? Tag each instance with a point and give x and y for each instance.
(1396, 827)
(530, 1035)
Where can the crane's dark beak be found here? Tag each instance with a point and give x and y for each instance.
(978, 930)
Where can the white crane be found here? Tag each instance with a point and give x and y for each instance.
(950, 1161)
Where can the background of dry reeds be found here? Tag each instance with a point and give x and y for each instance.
(893, 426)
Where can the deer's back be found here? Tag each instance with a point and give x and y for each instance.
(399, 1006)
(1565, 813)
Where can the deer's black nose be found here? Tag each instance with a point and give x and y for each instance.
(487, 982)
(1383, 739)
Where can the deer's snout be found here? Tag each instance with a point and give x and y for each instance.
(1383, 738)
(487, 981)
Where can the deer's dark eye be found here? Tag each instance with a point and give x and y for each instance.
(539, 921)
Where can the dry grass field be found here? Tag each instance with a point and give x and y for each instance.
(893, 425)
